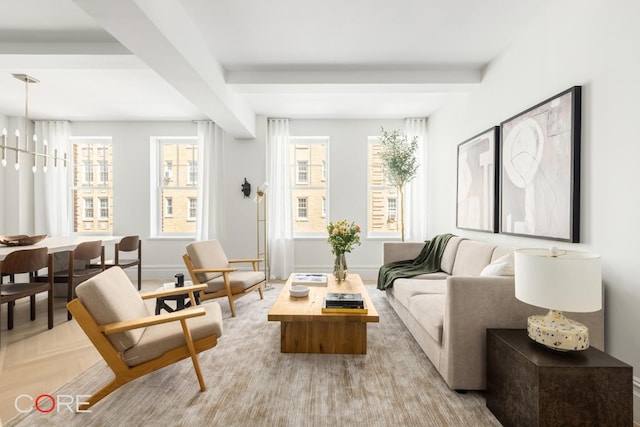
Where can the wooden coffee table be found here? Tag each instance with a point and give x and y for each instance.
(304, 328)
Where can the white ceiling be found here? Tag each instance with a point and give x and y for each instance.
(229, 60)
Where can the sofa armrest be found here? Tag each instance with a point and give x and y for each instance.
(399, 251)
(474, 304)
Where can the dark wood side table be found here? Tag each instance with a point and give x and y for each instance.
(531, 385)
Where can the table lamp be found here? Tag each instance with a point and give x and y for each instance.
(560, 281)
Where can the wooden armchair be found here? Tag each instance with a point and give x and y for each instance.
(208, 264)
(131, 340)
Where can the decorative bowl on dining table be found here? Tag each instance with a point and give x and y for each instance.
(21, 240)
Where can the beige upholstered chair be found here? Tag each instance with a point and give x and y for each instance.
(131, 340)
(207, 264)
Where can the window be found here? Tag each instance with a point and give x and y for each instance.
(193, 172)
(193, 204)
(103, 168)
(104, 207)
(92, 154)
(383, 198)
(168, 206)
(168, 169)
(308, 163)
(175, 190)
(303, 172)
(87, 203)
(302, 208)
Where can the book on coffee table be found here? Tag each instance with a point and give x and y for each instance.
(309, 279)
(344, 300)
(351, 308)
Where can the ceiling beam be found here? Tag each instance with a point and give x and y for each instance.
(163, 35)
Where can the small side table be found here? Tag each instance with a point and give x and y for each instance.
(530, 385)
(182, 301)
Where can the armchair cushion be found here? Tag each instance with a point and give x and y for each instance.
(238, 279)
(207, 253)
(158, 339)
(109, 297)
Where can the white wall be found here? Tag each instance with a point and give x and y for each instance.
(3, 125)
(590, 43)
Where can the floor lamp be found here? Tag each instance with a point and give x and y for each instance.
(261, 227)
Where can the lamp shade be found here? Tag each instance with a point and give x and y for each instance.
(558, 280)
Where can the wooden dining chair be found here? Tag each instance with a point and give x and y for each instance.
(80, 267)
(208, 264)
(132, 341)
(16, 265)
(128, 245)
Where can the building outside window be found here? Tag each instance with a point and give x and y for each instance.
(176, 187)
(192, 209)
(87, 204)
(383, 198)
(302, 208)
(308, 162)
(92, 155)
(168, 206)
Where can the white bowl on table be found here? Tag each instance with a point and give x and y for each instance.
(299, 291)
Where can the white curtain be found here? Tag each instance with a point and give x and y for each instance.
(279, 232)
(52, 189)
(210, 173)
(415, 193)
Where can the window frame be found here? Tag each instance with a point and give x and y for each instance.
(299, 208)
(180, 180)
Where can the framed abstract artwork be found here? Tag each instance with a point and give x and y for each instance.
(477, 180)
(540, 170)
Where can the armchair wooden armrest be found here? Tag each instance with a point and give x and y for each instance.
(213, 270)
(173, 291)
(113, 328)
(245, 260)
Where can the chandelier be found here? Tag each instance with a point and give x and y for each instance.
(33, 152)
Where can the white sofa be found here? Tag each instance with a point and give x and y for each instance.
(448, 312)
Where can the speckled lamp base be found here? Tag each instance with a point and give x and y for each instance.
(557, 332)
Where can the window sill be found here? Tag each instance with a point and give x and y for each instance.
(176, 238)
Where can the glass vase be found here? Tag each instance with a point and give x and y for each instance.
(340, 267)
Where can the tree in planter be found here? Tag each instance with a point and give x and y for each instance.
(399, 163)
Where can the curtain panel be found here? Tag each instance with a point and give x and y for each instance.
(415, 194)
(210, 177)
(279, 229)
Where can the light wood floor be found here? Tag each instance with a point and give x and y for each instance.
(36, 360)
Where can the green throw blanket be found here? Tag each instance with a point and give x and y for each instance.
(427, 262)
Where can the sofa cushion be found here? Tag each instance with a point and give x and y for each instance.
(449, 254)
(438, 275)
(501, 251)
(405, 289)
(428, 310)
(472, 257)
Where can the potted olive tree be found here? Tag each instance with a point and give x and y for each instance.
(399, 163)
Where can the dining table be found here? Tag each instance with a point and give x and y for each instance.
(60, 244)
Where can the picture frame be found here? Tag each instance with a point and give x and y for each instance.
(540, 169)
(477, 198)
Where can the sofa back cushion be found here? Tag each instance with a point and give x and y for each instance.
(472, 257)
(449, 254)
(501, 251)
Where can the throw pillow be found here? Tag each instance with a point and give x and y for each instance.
(494, 269)
(508, 260)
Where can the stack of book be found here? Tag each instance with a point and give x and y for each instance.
(336, 302)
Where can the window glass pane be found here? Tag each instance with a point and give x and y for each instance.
(308, 160)
(92, 185)
(383, 198)
(177, 189)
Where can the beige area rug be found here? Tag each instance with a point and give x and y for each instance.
(250, 383)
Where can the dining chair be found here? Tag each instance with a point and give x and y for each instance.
(208, 264)
(128, 245)
(80, 267)
(131, 340)
(16, 265)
